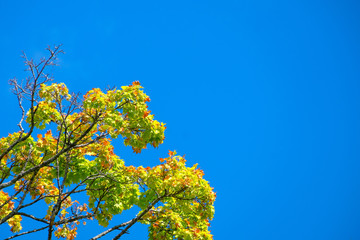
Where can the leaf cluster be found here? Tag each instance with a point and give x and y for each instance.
(72, 154)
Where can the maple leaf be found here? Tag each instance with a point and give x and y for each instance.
(82, 159)
(136, 83)
(48, 133)
(146, 113)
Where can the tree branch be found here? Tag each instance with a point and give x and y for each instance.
(50, 160)
(32, 217)
(20, 234)
(33, 91)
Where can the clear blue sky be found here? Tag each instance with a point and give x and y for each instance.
(264, 95)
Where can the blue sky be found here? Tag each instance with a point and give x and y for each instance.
(264, 95)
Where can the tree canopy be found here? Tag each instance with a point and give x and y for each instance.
(64, 149)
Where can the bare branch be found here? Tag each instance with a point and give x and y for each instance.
(34, 87)
(24, 233)
(111, 229)
(73, 219)
(32, 217)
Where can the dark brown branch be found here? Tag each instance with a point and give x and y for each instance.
(138, 217)
(32, 217)
(12, 197)
(73, 219)
(24, 233)
(14, 211)
(33, 202)
(33, 91)
(50, 160)
(111, 229)
(130, 223)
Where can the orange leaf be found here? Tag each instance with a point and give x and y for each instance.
(136, 83)
(48, 133)
(146, 113)
(172, 153)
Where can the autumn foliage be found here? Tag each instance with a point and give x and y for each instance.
(64, 148)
